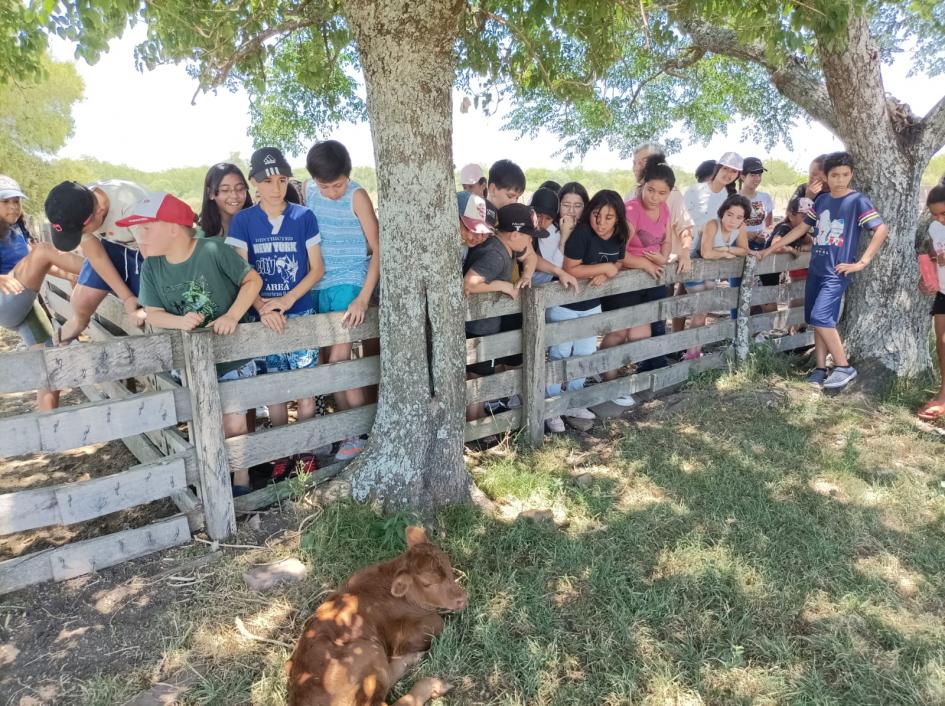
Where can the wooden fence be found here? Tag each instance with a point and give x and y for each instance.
(126, 375)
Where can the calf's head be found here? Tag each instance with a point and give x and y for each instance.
(425, 576)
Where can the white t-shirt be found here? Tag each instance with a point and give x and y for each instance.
(937, 234)
(761, 205)
(550, 249)
(122, 195)
(703, 204)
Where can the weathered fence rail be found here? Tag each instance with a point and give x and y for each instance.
(125, 372)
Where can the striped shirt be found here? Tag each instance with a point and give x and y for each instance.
(344, 246)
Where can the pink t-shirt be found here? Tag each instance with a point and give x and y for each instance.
(648, 234)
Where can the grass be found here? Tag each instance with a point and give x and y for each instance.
(746, 542)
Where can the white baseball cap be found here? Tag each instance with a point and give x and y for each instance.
(732, 160)
(9, 189)
(470, 174)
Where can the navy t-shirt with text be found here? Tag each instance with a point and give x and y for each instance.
(837, 224)
(277, 248)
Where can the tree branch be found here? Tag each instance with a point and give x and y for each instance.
(792, 78)
(933, 137)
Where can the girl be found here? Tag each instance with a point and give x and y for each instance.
(572, 200)
(648, 249)
(932, 243)
(758, 223)
(722, 238)
(22, 269)
(593, 251)
(703, 199)
(225, 193)
(793, 217)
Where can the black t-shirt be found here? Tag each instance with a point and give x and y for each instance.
(585, 245)
(491, 261)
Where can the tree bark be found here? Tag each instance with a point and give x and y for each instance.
(885, 325)
(415, 455)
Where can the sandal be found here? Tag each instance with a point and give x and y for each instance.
(932, 410)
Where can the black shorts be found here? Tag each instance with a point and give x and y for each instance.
(770, 280)
(507, 322)
(640, 296)
(938, 306)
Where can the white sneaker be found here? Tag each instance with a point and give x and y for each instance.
(515, 402)
(555, 425)
(625, 401)
(580, 413)
(262, 412)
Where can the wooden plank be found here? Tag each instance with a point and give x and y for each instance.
(92, 423)
(798, 340)
(86, 363)
(775, 292)
(268, 444)
(679, 373)
(206, 433)
(782, 318)
(23, 371)
(274, 492)
(533, 364)
(110, 311)
(783, 262)
(239, 395)
(613, 358)
(493, 387)
(493, 424)
(485, 306)
(69, 503)
(254, 340)
(595, 394)
(78, 558)
(494, 346)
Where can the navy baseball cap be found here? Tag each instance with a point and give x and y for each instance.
(68, 207)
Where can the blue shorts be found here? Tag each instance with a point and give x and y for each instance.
(246, 370)
(698, 285)
(296, 360)
(822, 297)
(336, 298)
(126, 261)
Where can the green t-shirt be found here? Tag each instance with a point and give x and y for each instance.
(207, 283)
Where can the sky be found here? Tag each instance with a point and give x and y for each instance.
(146, 120)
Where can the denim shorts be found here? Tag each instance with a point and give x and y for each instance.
(296, 360)
(126, 260)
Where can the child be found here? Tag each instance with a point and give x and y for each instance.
(473, 180)
(793, 218)
(933, 245)
(593, 252)
(648, 246)
(758, 223)
(23, 266)
(572, 200)
(722, 238)
(112, 258)
(506, 183)
(351, 253)
(840, 215)
(225, 193)
(281, 242)
(549, 249)
(473, 226)
(703, 199)
(189, 282)
(488, 268)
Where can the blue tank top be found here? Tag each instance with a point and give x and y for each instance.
(344, 247)
(13, 248)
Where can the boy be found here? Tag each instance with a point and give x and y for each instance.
(189, 282)
(351, 252)
(473, 225)
(506, 183)
(473, 180)
(281, 241)
(488, 268)
(839, 214)
(88, 215)
(932, 243)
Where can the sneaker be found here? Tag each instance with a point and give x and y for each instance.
(555, 425)
(625, 401)
(580, 413)
(514, 402)
(280, 468)
(350, 448)
(262, 412)
(817, 377)
(840, 377)
(494, 407)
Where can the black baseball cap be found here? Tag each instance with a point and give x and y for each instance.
(752, 165)
(68, 207)
(519, 218)
(267, 162)
(545, 202)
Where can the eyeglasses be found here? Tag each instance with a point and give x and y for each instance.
(226, 191)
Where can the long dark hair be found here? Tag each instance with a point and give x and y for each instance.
(210, 220)
(730, 187)
(655, 168)
(608, 198)
(572, 187)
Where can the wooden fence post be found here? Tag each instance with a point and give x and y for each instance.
(743, 323)
(533, 364)
(206, 434)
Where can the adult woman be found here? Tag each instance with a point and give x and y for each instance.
(22, 269)
(225, 193)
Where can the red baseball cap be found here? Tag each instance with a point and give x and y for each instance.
(159, 206)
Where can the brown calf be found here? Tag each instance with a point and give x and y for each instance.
(366, 635)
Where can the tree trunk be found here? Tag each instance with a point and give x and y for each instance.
(885, 323)
(415, 455)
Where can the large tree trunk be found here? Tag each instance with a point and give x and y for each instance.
(885, 323)
(415, 456)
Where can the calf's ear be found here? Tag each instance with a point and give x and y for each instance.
(416, 535)
(400, 585)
